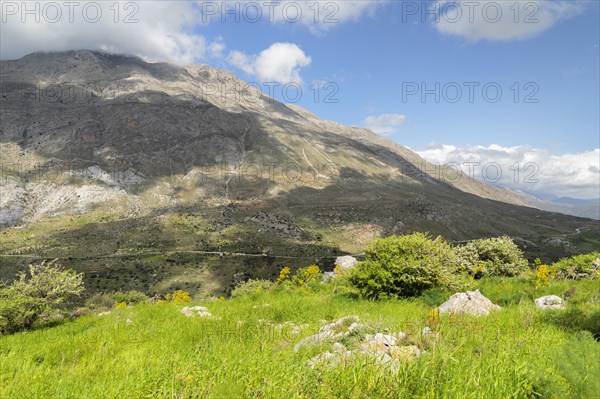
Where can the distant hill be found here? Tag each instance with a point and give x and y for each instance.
(588, 208)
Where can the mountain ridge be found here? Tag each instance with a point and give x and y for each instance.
(122, 157)
(131, 82)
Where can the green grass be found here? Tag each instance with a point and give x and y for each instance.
(518, 352)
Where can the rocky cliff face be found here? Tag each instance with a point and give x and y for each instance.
(110, 120)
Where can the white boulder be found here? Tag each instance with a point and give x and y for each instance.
(470, 302)
(550, 302)
(345, 262)
(199, 311)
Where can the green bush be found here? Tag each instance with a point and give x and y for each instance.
(50, 283)
(498, 256)
(307, 276)
(100, 301)
(130, 297)
(579, 267)
(17, 311)
(251, 288)
(40, 293)
(400, 266)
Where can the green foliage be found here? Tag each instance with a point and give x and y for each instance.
(108, 301)
(130, 297)
(251, 288)
(579, 267)
(100, 301)
(43, 291)
(50, 283)
(574, 362)
(284, 274)
(498, 256)
(514, 353)
(576, 319)
(17, 311)
(400, 266)
(506, 291)
(307, 276)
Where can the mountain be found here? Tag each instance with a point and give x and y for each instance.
(588, 208)
(144, 175)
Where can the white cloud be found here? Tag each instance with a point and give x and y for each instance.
(280, 63)
(241, 61)
(524, 168)
(318, 16)
(216, 48)
(501, 20)
(155, 30)
(385, 124)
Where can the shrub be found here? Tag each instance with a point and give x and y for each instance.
(130, 297)
(42, 291)
(284, 275)
(17, 311)
(100, 301)
(400, 266)
(251, 288)
(178, 297)
(50, 283)
(543, 274)
(579, 267)
(498, 256)
(307, 276)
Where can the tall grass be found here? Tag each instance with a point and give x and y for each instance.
(153, 351)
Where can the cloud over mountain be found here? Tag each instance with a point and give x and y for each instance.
(280, 63)
(385, 124)
(534, 170)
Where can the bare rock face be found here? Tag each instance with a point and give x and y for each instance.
(30, 201)
(550, 302)
(470, 302)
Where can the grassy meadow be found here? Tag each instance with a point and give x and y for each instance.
(154, 351)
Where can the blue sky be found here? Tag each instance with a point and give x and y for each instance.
(374, 52)
(373, 58)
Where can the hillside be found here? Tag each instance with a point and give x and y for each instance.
(147, 175)
(569, 206)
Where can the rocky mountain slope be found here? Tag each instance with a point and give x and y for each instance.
(122, 157)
